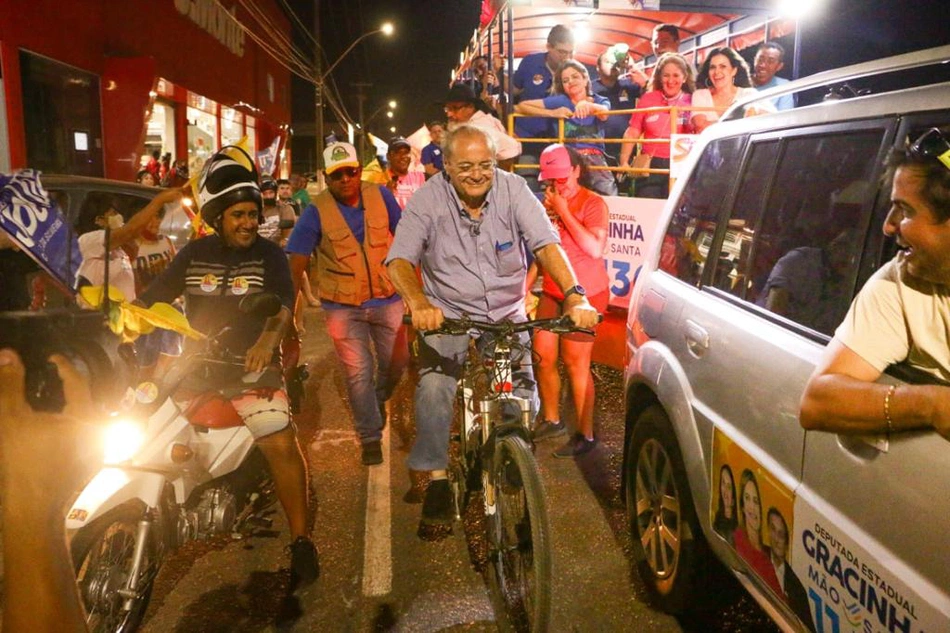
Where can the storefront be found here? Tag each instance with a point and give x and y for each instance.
(97, 88)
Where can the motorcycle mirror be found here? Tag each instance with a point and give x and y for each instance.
(262, 304)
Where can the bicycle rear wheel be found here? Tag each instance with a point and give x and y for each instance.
(519, 571)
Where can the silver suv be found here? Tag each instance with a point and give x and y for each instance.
(764, 241)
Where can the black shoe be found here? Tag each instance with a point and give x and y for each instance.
(437, 507)
(546, 430)
(372, 453)
(304, 562)
(576, 446)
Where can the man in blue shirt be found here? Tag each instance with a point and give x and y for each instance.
(432, 153)
(769, 59)
(350, 227)
(533, 80)
(622, 93)
(466, 230)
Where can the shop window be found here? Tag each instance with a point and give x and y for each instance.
(232, 126)
(61, 115)
(689, 236)
(160, 132)
(202, 138)
(251, 132)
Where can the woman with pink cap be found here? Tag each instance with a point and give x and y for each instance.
(580, 215)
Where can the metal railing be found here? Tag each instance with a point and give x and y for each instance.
(674, 112)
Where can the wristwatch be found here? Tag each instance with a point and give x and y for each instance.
(575, 290)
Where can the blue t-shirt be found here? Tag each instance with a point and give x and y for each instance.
(587, 127)
(622, 96)
(785, 102)
(534, 78)
(432, 155)
(307, 234)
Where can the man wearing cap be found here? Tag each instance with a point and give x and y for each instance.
(403, 182)
(350, 227)
(462, 106)
(467, 232)
(620, 90)
(214, 274)
(273, 213)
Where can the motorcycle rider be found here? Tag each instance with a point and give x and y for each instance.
(214, 273)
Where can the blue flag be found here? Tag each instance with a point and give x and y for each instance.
(37, 226)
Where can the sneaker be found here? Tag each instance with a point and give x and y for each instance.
(576, 446)
(372, 453)
(546, 430)
(437, 507)
(304, 562)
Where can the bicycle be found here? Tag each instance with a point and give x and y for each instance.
(495, 456)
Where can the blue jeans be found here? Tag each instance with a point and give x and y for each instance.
(441, 358)
(352, 330)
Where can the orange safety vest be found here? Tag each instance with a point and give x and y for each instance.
(349, 272)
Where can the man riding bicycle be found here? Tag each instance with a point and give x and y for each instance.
(214, 273)
(466, 228)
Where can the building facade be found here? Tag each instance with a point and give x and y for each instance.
(95, 87)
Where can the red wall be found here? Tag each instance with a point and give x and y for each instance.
(159, 41)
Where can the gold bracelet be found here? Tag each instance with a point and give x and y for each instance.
(887, 408)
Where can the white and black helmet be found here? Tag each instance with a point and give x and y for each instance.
(228, 177)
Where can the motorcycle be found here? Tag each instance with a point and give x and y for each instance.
(175, 470)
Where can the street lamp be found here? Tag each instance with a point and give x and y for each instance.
(321, 76)
(391, 105)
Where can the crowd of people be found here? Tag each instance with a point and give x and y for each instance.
(461, 236)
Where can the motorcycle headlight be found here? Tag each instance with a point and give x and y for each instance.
(122, 440)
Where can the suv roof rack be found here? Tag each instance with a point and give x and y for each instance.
(836, 79)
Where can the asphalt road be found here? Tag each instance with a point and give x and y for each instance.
(377, 575)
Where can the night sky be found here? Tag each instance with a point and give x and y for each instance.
(412, 66)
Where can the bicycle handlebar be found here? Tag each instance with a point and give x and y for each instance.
(558, 325)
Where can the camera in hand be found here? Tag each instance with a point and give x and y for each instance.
(82, 336)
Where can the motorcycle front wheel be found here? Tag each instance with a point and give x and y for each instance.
(103, 553)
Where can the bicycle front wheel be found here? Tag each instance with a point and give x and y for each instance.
(519, 539)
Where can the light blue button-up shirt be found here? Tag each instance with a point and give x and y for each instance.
(473, 267)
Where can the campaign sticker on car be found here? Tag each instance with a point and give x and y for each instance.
(755, 514)
(850, 590)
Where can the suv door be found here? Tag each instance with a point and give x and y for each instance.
(875, 512)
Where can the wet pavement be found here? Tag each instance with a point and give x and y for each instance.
(377, 575)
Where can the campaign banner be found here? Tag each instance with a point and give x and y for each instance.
(267, 159)
(851, 589)
(36, 225)
(680, 147)
(632, 223)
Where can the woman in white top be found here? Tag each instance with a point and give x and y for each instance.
(727, 76)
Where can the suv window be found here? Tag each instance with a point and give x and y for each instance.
(801, 214)
(689, 236)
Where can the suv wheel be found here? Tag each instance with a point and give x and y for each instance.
(667, 540)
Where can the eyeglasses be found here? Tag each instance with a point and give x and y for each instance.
(932, 145)
(349, 172)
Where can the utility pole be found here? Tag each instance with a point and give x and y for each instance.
(361, 95)
(318, 93)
